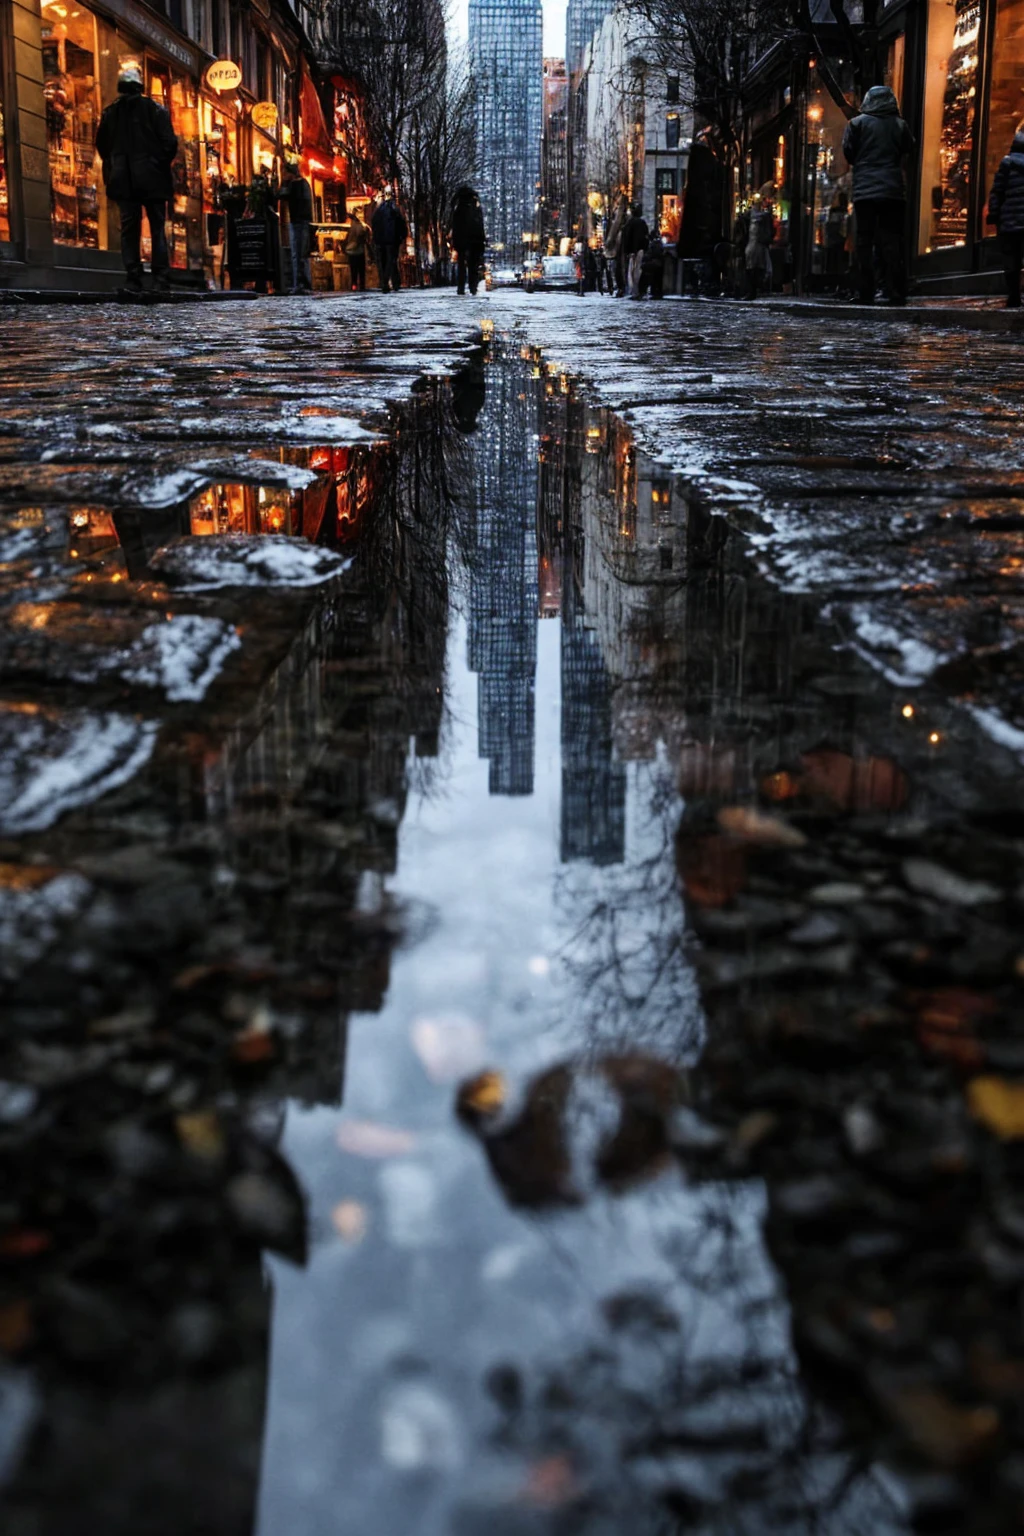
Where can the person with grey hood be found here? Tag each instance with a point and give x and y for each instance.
(1006, 212)
(137, 145)
(876, 143)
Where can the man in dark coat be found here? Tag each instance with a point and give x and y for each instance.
(297, 196)
(389, 232)
(635, 239)
(1006, 212)
(136, 142)
(876, 144)
(468, 238)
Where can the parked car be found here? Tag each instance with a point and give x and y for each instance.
(558, 272)
(504, 277)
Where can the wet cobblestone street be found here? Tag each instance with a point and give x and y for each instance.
(510, 907)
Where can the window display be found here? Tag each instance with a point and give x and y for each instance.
(71, 90)
(1006, 94)
(178, 94)
(828, 187)
(5, 201)
(950, 91)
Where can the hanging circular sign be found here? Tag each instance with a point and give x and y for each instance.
(264, 115)
(224, 75)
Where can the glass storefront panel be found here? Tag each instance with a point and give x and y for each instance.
(178, 94)
(829, 182)
(1006, 99)
(72, 92)
(951, 75)
(5, 200)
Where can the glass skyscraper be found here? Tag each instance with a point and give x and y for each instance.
(507, 59)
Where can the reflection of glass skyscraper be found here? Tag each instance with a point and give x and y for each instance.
(506, 56)
(503, 590)
(593, 784)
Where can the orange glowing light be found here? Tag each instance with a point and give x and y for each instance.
(907, 711)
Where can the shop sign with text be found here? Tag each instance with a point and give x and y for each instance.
(224, 75)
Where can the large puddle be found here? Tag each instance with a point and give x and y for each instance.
(406, 910)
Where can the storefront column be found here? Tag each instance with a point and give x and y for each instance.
(26, 138)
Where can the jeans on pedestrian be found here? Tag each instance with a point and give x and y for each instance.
(131, 238)
(1012, 246)
(387, 266)
(298, 246)
(636, 261)
(357, 267)
(467, 269)
(880, 226)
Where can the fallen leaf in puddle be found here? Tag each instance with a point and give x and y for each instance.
(943, 1430)
(751, 826)
(485, 1095)
(24, 1243)
(200, 1133)
(348, 1219)
(366, 1138)
(551, 1483)
(999, 1105)
(449, 1045)
(251, 1046)
(26, 877)
(946, 1020)
(15, 1326)
(713, 869)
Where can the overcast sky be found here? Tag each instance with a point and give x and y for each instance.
(554, 25)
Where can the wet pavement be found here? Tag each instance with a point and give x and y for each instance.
(510, 953)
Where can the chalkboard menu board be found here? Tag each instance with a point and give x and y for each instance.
(252, 247)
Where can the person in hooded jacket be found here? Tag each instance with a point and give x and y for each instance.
(468, 238)
(876, 143)
(137, 145)
(635, 239)
(1006, 212)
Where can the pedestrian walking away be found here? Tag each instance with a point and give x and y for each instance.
(356, 242)
(389, 233)
(468, 238)
(635, 238)
(613, 250)
(760, 239)
(137, 145)
(652, 269)
(296, 195)
(1006, 212)
(876, 143)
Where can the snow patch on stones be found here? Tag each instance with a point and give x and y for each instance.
(200, 565)
(31, 920)
(53, 763)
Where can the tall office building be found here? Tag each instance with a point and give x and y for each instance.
(582, 19)
(553, 167)
(506, 57)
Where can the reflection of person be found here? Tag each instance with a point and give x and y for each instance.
(876, 143)
(1006, 212)
(136, 143)
(468, 238)
(389, 234)
(469, 391)
(297, 195)
(356, 241)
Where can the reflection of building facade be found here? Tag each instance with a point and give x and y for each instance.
(504, 586)
(506, 56)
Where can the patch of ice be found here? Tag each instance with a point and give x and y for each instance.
(1000, 730)
(30, 921)
(255, 560)
(182, 655)
(52, 763)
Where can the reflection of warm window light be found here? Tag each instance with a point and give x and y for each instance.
(907, 711)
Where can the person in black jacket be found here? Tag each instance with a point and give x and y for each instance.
(1006, 212)
(389, 233)
(468, 238)
(297, 196)
(635, 239)
(137, 144)
(876, 143)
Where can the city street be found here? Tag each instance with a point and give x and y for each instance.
(510, 919)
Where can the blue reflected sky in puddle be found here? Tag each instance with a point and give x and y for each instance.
(541, 845)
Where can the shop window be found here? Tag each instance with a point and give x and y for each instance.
(5, 201)
(951, 76)
(177, 93)
(827, 192)
(71, 90)
(672, 131)
(1006, 100)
